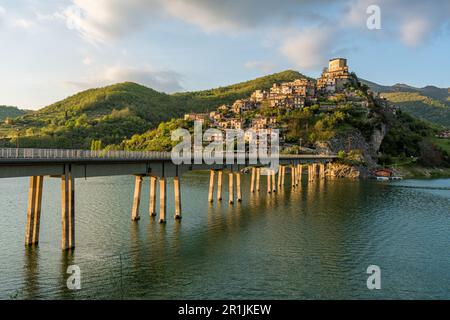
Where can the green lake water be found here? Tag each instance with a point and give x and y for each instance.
(313, 242)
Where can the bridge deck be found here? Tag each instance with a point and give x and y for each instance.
(20, 162)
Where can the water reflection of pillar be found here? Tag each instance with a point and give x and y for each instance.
(283, 174)
(310, 192)
(254, 200)
(295, 196)
(322, 171)
(311, 173)
(329, 170)
(134, 236)
(31, 268)
(293, 176)
(68, 210)
(274, 184)
(299, 169)
(269, 184)
(67, 260)
(280, 175)
(320, 195)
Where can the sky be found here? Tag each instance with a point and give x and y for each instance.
(51, 49)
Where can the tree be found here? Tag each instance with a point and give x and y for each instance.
(96, 145)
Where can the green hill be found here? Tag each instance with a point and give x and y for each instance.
(116, 112)
(208, 100)
(422, 107)
(10, 112)
(429, 103)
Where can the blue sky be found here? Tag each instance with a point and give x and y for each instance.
(51, 49)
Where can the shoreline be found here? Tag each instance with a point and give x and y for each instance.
(420, 172)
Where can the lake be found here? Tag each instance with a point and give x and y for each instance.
(313, 242)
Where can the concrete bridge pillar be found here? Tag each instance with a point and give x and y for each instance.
(274, 181)
(34, 210)
(309, 173)
(252, 180)
(328, 170)
(152, 204)
(299, 175)
(162, 200)
(177, 194)
(137, 198)
(211, 186)
(322, 171)
(238, 187)
(293, 176)
(230, 188)
(219, 185)
(68, 211)
(258, 179)
(283, 174)
(280, 174)
(269, 184)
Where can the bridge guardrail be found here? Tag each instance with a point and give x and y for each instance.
(32, 153)
(71, 154)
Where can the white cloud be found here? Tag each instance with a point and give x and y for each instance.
(87, 61)
(105, 20)
(264, 66)
(158, 79)
(23, 23)
(413, 32)
(2, 14)
(230, 15)
(310, 48)
(411, 21)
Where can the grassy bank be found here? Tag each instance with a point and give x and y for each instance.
(417, 171)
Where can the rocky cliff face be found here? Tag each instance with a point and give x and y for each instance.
(340, 170)
(377, 138)
(354, 141)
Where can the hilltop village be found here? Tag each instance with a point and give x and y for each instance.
(264, 109)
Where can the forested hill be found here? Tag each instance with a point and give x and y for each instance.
(116, 112)
(429, 103)
(208, 100)
(10, 112)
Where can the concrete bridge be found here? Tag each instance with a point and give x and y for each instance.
(68, 165)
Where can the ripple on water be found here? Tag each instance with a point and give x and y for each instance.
(312, 242)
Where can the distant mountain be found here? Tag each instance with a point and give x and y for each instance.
(116, 112)
(429, 103)
(11, 112)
